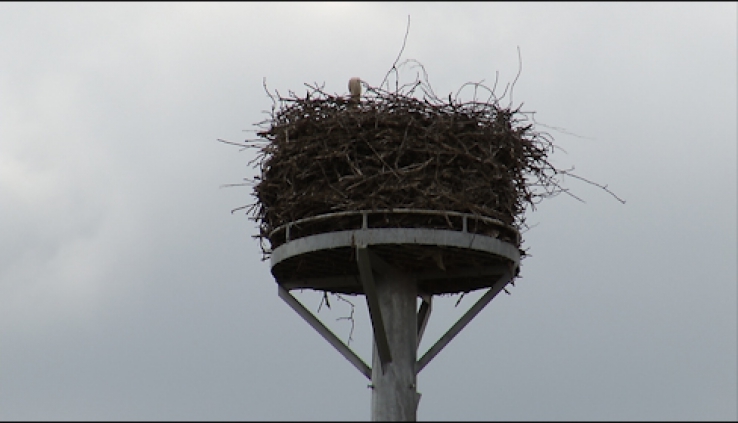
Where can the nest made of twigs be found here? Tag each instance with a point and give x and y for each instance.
(324, 153)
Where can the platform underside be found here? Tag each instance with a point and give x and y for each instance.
(336, 269)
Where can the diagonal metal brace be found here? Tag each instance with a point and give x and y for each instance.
(325, 332)
(372, 302)
(423, 315)
(464, 320)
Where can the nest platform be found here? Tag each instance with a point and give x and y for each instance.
(445, 252)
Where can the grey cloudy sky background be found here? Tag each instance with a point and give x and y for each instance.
(129, 291)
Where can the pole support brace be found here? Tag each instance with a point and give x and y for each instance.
(464, 320)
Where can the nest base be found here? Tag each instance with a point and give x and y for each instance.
(441, 261)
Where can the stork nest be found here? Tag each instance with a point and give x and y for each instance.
(324, 153)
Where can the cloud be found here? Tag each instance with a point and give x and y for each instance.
(129, 290)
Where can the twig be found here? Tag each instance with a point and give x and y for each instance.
(350, 318)
(404, 40)
(604, 187)
(324, 300)
(234, 143)
(520, 70)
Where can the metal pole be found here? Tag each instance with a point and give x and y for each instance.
(394, 393)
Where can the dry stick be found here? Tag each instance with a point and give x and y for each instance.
(604, 187)
(520, 69)
(274, 101)
(245, 184)
(324, 299)
(494, 87)
(233, 143)
(350, 318)
(404, 40)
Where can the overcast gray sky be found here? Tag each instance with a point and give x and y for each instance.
(128, 290)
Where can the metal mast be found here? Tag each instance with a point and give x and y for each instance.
(321, 262)
(391, 298)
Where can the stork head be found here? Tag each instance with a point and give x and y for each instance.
(354, 86)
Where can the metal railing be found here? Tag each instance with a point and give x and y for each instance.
(365, 219)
